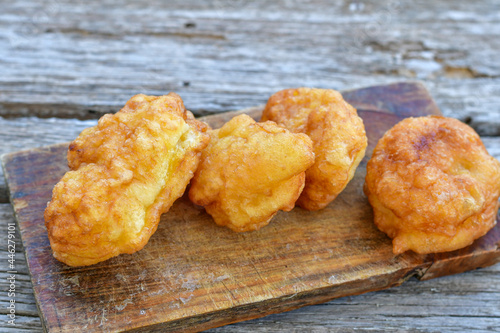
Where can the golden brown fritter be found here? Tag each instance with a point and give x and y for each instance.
(249, 171)
(126, 172)
(337, 133)
(433, 186)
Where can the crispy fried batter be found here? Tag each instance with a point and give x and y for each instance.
(249, 171)
(126, 172)
(337, 133)
(433, 186)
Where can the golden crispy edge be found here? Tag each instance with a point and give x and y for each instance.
(184, 171)
(470, 229)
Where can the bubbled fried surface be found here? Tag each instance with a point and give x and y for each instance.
(249, 171)
(433, 186)
(338, 136)
(126, 172)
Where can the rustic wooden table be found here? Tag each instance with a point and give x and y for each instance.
(65, 63)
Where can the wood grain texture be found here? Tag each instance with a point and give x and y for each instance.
(31, 132)
(464, 302)
(84, 58)
(185, 278)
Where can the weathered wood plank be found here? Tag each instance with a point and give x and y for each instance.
(263, 273)
(444, 304)
(23, 324)
(81, 59)
(27, 318)
(31, 132)
(73, 59)
(464, 302)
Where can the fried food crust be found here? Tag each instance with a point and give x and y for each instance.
(338, 136)
(249, 171)
(125, 172)
(433, 186)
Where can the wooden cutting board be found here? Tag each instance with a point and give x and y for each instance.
(194, 275)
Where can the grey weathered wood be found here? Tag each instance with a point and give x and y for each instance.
(27, 318)
(30, 132)
(83, 58)
(24, 324)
